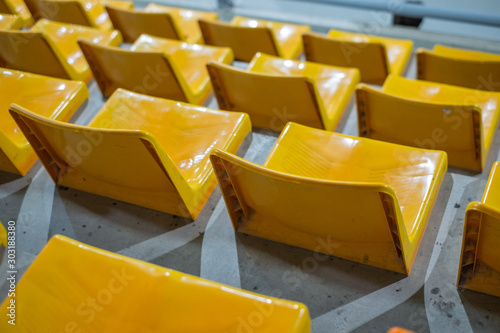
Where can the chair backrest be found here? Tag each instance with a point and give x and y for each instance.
(127, 165)
(369, 58)
(150, 73)
(65, 11)
(309, 213)
(5, 8)
(120, 287)
(479, 267)
(133, 23)
(34, 8)
(270, 100)
(30, 52)
(469, 73)
(244, 41)
(455, 129)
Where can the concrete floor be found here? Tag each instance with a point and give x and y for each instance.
(342, 296)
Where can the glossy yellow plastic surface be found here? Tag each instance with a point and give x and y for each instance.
(465, 68)
(159, 21)
(87, 289)
(247, 36)
(399, 330)
(479, 268)
(375, 57)
(139, 149)
(274, 91)
(45, 96)
(431, 115)
(362, 200)
(89, 13)
(157, 67)
(3, 236)
(51, 49)
(10, 22)
(19, 8)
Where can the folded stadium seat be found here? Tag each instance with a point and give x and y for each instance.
(358, 199)
(479, 268)
(159, 21)
(51, 49)
(375, 57)
(89, 13)
(465, 68)
(156, 66)
(45, 96)
(139, 149)
(19, 8)
(93, 290)
(274, 91)
(247, 36)
(10, 22)
(431, 115)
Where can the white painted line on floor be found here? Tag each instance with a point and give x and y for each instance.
(33, 222)
(154, 247)
(219, 254)
(19, 183)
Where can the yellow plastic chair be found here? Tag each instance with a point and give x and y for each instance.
(160, 21)
(376, 57)
(157, 67)
(19, 8)
(45, 96)
(139, 149)
(465, 68)
(430, 115)
(247, 36)
(479, 268)
(274, 91)
(51, 49)
(10, 22)
(92, 290)
(89, 13)
(362, 200)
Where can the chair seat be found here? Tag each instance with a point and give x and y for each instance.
(459, 67)
(139, 149)
(48, 97)
(121, 286)
(19, 8)
(191, 60)
(288, 36)
(64, 39)
(479, 268)
(187, 133)
(424, 114)
(247, 36)
(186, 19)
(398, 51)
(89, 13)
(317, 154)
(275, 91)
(370, 186)
(10, 22)
(488, 102)
(375, 57)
